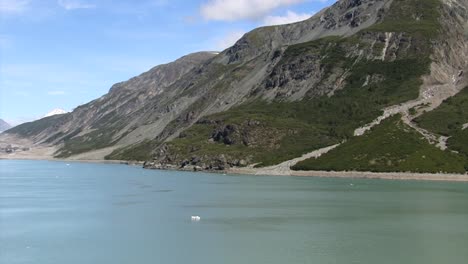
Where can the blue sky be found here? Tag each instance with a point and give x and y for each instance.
(63, 53)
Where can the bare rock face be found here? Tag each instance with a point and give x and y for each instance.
(450, 56)
(344, 18)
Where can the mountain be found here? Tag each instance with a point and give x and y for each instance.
(56, 111)
(132, 111)
(358, 75)
(4, 125)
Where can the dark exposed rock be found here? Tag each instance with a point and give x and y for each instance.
(190, 116)
(223, 135)
(354, 3)
(195, 160)
(228, 141)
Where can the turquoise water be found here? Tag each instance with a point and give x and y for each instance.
(51, 212)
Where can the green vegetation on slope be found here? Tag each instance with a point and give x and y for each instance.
(91, 141)
(289, 129)
(416, 17)
(448, 120)
(299, 127)
(141, 151)
(277, 135)
(36, 127)
(314, 123)
(102, 135)
(448, 117)
(390, 146)
(459, 141)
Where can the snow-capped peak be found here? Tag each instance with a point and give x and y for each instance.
(56, 111)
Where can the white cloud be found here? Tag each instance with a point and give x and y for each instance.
(74, 4)
(228, 40)
(57, 92)
(290, 17)
(13, 6)
(231, 10)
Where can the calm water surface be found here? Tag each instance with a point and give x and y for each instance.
(54, 213)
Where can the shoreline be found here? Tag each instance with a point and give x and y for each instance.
(446, 177)
(408, 176)
(123, 162)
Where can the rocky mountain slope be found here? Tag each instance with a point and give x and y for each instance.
(127, 114)
(4, 125)
(283, 91)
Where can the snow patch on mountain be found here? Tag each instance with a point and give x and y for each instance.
(56, 111)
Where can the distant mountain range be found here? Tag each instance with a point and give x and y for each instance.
(4, 125)
(379, 78)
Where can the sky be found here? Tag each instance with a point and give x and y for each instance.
(64, 53)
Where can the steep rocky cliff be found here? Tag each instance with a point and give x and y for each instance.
(280, 91)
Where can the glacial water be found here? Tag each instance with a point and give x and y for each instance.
(59, 213)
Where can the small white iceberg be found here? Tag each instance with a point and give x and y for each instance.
(195, 218)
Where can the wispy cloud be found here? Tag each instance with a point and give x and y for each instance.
(13, 6)
(290, 17)
(231, 37)
(75, 4)
(231, 10)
